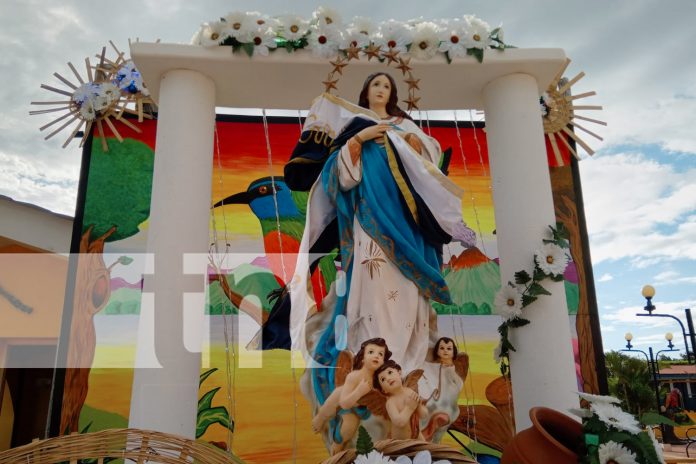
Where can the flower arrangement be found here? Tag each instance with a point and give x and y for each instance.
(550, 262)
(327, 37)
(613, 436)
(367, 454)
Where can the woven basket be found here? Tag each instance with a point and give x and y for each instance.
(139, 446)
(410, 448)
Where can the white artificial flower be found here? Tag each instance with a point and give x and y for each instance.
(477, 33)
(422, 457)
(328, 17)
(658, 447)
(364, 25)
(508, 302)
(551, 259)
(615, 417)
(612, 452)
(413, 22)
(452, 38)
(212, 34)
(129, 79)
(324, 41)
(581, 412)
(426, 41)
(263, 39)
(393, 35)
(87, 111)
(106, 95)
(84, 92)
(354, 38)
(260, 21)
(293, 27)
(589, 397)
(240, 25)
(373, 457)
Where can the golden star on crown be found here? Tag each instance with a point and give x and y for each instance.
(404, 65)
(391, 55)
(412, 102)
(352, 52)
(412, 83)
(330, 84)
(338, 65)
(372, 51)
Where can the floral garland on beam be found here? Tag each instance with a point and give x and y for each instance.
(550, 262)
(326, 36)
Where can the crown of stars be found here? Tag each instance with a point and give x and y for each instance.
(391, 57)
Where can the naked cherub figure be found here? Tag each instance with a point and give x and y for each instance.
(397, 400)
(342, 401)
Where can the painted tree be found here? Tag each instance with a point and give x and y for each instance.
(117, 202)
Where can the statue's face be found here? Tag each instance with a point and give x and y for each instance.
(445, 351)
(389, 380)
(373, 357)
(379, 91)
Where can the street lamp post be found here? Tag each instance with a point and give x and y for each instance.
(653, 366)
(648, 293)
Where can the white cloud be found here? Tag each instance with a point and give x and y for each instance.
(53, 186)
(628, 198)
(606, 277)
(673, 278)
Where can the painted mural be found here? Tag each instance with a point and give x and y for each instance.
(250, 400)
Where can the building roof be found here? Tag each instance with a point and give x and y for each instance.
(32, 226)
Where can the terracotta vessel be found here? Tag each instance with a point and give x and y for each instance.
(552, 438)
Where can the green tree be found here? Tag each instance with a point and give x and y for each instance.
(630, 381)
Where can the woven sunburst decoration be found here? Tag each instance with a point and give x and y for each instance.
(102, 95)
(375, 51)
(559, 112)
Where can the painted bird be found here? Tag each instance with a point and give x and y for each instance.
(282, 233)
(281, 230)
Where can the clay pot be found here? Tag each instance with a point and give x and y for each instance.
(552, 438)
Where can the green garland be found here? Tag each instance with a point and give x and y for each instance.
(530, 289)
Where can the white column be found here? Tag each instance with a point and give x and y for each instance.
(165, 399)
(542, 368)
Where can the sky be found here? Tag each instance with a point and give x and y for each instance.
(639, 193)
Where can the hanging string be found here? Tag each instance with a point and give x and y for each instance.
(478, 148)
(427, 119)
(230, 361)
(469, 189)
(282, 265)
(275, 195)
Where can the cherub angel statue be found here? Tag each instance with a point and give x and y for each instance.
(396, 400)
(342, 405)
(441, 383)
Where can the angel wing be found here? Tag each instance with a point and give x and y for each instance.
(461, 365)
(376, 402)
(344, 364)
(411, 380)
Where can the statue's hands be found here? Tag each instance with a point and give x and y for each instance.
(373, 132)
(413, 399)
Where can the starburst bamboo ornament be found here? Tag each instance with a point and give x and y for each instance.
(560, 109)
(101, 95)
